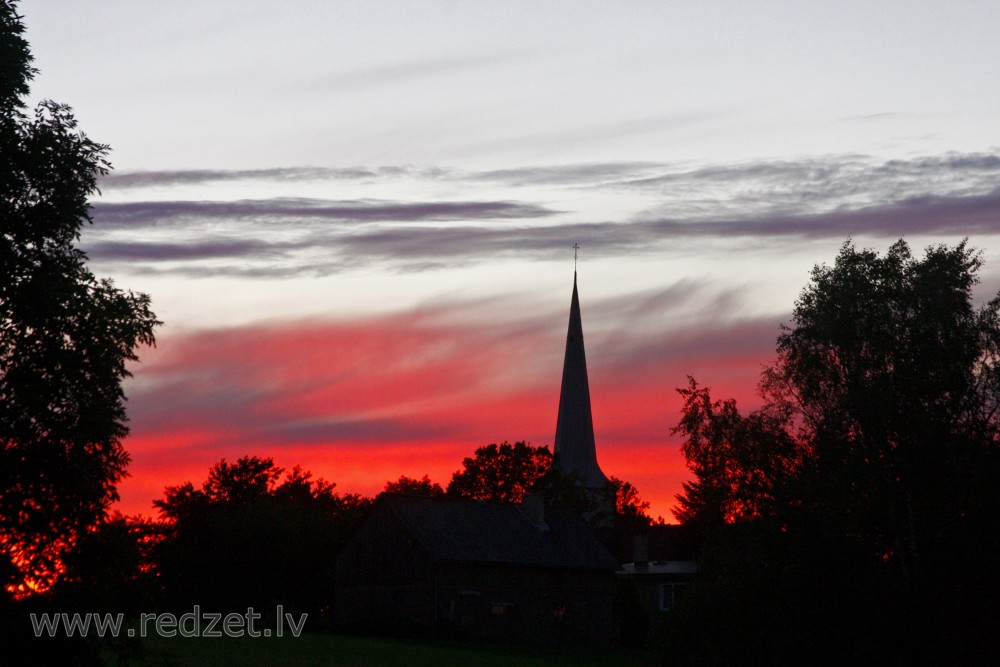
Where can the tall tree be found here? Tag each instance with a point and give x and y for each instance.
(503, 472)
(893, 376)
(65, 335)
(861, 499)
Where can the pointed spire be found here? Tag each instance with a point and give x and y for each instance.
(574, 444)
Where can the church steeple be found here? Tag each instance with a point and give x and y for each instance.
(575, 451)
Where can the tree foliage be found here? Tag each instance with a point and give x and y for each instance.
(860, 500)
(254, 534)
(66, 337)
(414, 487)
(892, 374)
(628, 502)
(113, 568)
(503, 472)
(740, 462)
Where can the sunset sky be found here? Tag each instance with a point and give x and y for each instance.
(356, 219)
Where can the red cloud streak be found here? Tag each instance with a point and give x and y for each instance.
(362, 402)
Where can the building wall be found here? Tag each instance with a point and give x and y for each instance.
(528, 604)
(660, 593)
(382, 552)
(384, 576)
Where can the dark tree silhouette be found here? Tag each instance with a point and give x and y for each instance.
(860, 501)
(740, 462)
(414, 487)
(65, 335)
(112, 567)
(503, 472)
(628, 503)
(249, 536)
(893, 376)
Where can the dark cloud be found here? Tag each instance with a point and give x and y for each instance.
(856, 169)
(427, 247)
(961, 216)
(916, 215)
(964, 162)
(133, 215)
(692, 193)
(376, 430)
(849, 195)
(201, 249)
(170, 178)
(144, 179)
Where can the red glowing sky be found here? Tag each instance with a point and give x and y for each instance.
(362, 402)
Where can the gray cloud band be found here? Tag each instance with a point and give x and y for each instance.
(953, 194)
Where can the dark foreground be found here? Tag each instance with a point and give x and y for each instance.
(314, 650)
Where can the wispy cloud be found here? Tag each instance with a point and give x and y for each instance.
(155, 213)
(925, 215)
(839, 173)
(835, 197)
(422, 247)
(170, 178)
(585, 174)
(622, 174)
(122, 251)
(145, 179)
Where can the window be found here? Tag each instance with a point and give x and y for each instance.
(669, 594)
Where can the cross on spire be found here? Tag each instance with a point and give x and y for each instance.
(576, 248)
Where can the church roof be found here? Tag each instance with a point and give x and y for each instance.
(574, 446)
(466, 531)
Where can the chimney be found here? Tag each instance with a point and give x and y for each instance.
(533, 507)
(641, 553)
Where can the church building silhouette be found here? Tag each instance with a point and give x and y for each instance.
(528, 572)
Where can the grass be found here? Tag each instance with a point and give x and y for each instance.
(315, 650)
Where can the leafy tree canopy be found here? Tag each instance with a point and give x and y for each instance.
(66, 337)
(414, 487)
(739, 461)
(503, 472)
(871, 469)
(628, 503)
